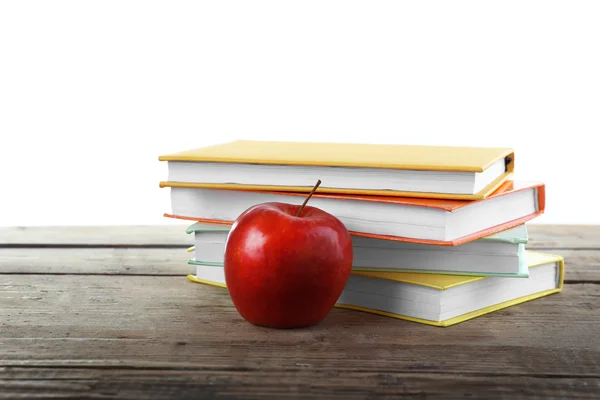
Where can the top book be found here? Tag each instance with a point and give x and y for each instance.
(448, 172)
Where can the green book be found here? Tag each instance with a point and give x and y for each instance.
(500, 254)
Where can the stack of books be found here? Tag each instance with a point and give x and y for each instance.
(439, 232)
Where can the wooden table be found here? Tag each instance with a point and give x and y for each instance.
(106, 312)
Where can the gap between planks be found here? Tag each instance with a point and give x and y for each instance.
(195, 368)
(566, 281)
(185, 246)
(580, 265)
(541, 236)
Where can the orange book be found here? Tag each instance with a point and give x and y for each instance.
(418, 220)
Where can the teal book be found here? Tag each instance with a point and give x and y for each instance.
(501, 254)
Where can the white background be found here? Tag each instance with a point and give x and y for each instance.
(91, 93)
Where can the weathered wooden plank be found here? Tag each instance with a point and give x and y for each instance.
(581, 265)
(542, 236)
(564, 236)
(170, 322)
(167, 235)
(277, 384)
(116, 261)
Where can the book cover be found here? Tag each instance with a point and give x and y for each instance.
(505, 189)
(523, 271)
(517, 236)
(443, 282)
(402, 157)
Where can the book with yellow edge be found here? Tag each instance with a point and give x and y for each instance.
(438, 300)
(447, 172)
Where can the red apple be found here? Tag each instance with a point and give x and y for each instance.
(284, 271)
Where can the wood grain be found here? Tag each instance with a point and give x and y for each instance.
(541, 236)
(564, 236)
(112, 236)
(106, 312)
(169, 322)
(580, 265)
(116, 261)
(277, 384)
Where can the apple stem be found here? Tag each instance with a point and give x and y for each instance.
(308, 198)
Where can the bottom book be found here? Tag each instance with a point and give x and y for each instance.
(439, 300)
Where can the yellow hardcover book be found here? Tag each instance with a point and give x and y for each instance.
(472, 297)
(450, 172)
(438, 300)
